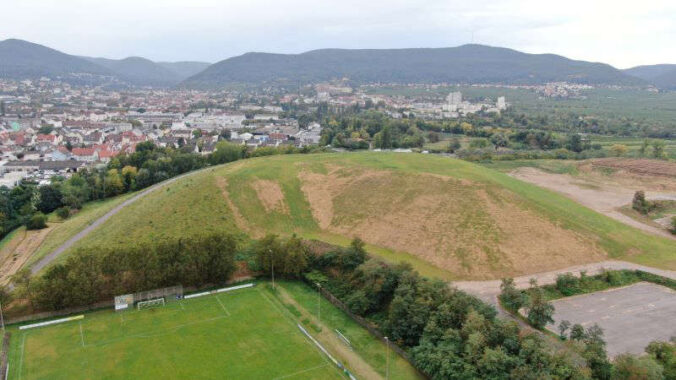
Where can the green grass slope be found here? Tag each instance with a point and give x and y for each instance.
(449, 218)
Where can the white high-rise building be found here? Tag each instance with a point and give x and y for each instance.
(454, 100)
(501, 104)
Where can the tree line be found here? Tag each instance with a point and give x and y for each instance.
(448, 333)
(97, 274)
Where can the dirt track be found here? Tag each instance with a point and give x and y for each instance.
(601, 197)
(489, 290)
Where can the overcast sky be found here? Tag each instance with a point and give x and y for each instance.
(622, 33)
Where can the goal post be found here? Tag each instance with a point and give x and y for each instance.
(157, 302)
(168, 294)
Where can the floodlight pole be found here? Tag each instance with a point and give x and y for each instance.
(2, 318)
(272, 262)
(387, 359)
(319, 302)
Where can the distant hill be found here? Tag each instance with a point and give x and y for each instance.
(140, 71)
(185, 69)
(24, 60)
(662, 76)
(463, 64)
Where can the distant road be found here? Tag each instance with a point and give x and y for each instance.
(45, 261)
(489, 290)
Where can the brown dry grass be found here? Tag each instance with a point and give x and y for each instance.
(271, 196)
(15, 254)
(239, 219)
(458, 225)
(639, 166)
(630, 173)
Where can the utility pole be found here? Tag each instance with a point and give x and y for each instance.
(319, 302)
(272, 262)
(387, 359)
(2, 319)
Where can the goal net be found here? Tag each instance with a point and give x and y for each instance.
(157, 302)
(126, 301)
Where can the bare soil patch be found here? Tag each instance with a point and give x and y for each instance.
(239, 219)
(639, 166)
(458, 225)
(16, 252)
(271, 196)
(604, 196)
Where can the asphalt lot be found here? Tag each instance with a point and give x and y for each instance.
(631, 317)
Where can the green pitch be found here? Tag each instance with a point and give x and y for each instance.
(244, 334)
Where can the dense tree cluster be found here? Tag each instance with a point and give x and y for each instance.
(448, 333)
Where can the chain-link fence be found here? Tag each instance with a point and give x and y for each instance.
(369, 327)
(4, 361)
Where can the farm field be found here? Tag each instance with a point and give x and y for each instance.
(631, 317)
(467, 221)
(247, 333)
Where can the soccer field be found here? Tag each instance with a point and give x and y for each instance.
(243, 334)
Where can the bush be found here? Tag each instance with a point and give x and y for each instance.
(63, 212)
(567, 284)
(512, 298)
(629, 367)
(640, 204)
(37, 221)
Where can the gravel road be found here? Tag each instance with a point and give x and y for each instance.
(45, 261)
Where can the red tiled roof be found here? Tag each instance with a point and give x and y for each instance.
(46, 138)
(83, 151)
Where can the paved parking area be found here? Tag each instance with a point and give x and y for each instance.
(631, 317)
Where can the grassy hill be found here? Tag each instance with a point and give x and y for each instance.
(462, 64)
(449, 218)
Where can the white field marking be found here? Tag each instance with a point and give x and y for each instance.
(182, 307)
(299, 372)
(279, 310)
(23, 348)
(152, 334)
(285, 313)
(81, 335)
(223, 306)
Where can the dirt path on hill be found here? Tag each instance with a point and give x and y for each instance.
(489, 290)
(356, 363)
(51, 256)
(603, 198)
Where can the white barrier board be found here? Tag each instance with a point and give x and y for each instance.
(47, 323)
(195, 295)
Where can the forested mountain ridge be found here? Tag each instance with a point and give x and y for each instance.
(26, 60)
(463, 64)
(663, 76)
